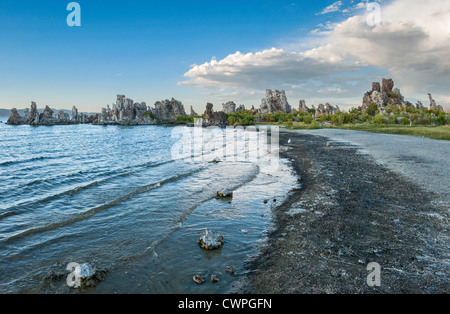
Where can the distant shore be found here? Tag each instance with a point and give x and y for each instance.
(351, 211)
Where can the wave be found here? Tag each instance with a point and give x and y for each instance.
(21, 206)
(92, 211)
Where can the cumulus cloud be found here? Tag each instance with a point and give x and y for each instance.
(266, 68)
(411, 45)
(331, 8)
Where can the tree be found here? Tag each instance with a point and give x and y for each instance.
(372, 110)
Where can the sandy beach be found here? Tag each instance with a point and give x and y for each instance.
(360, 202)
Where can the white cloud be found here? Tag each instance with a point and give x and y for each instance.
(331, 8)
(411, 45)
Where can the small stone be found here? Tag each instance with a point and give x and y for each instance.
(198, 279)
(210, 240)
(229, 270)
(224, 194)
(216, 160)
(214, 279)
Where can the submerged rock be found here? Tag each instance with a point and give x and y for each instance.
(198, 279)
(214, 279)
(210, 240)
(87, 275)
(225, 193)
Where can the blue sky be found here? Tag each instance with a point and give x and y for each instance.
(143, 49)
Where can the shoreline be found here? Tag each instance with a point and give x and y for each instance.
(349, 212)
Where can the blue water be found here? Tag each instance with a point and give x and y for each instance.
(116, 196)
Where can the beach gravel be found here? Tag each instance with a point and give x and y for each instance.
(353, 210)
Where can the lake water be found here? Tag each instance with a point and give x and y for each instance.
(116, 196)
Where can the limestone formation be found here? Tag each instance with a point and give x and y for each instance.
(387, 86)
(212, 118)
(229, 107)
(32, 116)
(15, 118)
(74, 117)
(275, 101)
(168, 110)
(383, 95)
(327, 109)
(433, 105)
(125, 112)
(240, 109)
(193, 113)
(46, 117)
(302, 107)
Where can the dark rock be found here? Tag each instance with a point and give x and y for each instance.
(210, 240)
(15, 118)
(212, 118)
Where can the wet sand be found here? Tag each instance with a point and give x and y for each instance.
(351, 210)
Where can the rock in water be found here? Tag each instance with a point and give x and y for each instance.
(169, 110)
(210, 240)
(224, 193)
(198, 279)
(15, 118)
(87, 275)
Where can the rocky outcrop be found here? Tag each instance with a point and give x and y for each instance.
(212, 118)
(15, 118)
(168, 110)
(240, 109)
(63, 117)
(126, 112)
(303, 108)
(327, 109)
(74, 117)
(229, 107)
(47, 117)
(32, 115)
(275, 101)
(432, 102)
(383, 94)
(193, 113)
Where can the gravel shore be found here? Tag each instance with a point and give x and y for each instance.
(353, 210)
